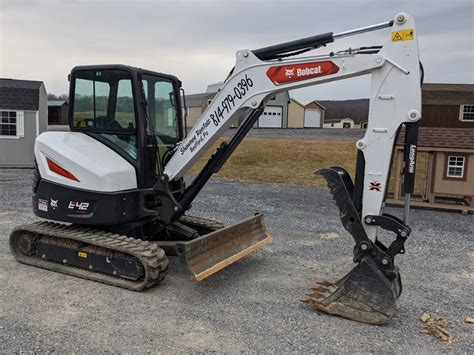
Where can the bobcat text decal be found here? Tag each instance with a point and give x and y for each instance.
(284, 74)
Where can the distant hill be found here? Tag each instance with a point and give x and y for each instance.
(357, 110)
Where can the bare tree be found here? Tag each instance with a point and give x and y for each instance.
(62, 97)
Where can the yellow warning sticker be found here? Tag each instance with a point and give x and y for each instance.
(81, 254)
(404, 35)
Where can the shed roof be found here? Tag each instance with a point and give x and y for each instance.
(440, 137)
(292, 99)
(195, 100)
(357, 109)
(447, 94)
(19, 94)
(56, 103)
(315, 103)
(214, 88)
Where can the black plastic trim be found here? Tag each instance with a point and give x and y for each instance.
(98, 208)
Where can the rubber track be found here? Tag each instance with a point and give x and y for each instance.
(152, 257)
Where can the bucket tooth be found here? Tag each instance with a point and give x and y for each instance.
(365, 295)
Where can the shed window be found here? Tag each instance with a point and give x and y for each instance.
(11, 124)
(456, 166)
(467, 113)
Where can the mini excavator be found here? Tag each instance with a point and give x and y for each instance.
(113, 188)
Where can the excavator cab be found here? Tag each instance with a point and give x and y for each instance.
(133, 111)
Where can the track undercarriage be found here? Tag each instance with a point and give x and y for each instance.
(133, 263)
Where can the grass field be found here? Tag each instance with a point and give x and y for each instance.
(284, 161)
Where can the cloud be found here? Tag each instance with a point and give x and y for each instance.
(197, 40)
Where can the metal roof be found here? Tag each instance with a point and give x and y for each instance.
(19, 94)
(336, 110)
(195, 100)
(213, 88)
(56, 103)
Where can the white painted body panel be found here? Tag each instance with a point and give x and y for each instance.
(96, 166)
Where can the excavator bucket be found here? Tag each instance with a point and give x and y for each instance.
(365, 294)
(368, 293)
(212, 252)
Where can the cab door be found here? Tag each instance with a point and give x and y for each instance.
(163, 118)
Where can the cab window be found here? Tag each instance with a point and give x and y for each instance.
(103, 102)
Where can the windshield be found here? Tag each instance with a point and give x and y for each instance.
(103, 100)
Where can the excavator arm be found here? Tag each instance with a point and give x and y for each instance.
(395, 99)
(368, 293)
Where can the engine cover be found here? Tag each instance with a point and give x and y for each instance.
(96, 167)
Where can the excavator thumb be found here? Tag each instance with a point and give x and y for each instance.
(212, 252)
(368, 293)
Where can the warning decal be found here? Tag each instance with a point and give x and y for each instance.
(404, 35)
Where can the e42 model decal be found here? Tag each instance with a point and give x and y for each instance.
(284, 74)
(80, 207)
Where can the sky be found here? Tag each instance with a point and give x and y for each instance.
(197, 40)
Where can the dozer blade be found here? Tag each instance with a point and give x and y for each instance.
(365, 294)
(212, 252)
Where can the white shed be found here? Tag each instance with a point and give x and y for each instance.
(23, 116)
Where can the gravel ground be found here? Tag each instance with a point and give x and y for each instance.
(251, 305)
(334, 134)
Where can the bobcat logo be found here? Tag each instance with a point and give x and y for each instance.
(289, 73)
(54, 203)
(375, 186)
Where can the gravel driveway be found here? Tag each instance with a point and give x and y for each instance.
(251, 305)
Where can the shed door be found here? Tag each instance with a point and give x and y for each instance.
(271, 117)
(312, 118)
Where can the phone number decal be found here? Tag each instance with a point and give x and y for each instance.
(216, 117)
(229, 102)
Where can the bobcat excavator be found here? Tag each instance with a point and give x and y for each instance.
(113, 189)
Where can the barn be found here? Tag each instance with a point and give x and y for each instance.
(445, 159)
(24, 115)
(275, 114)
(57, 112)
(346, 113)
